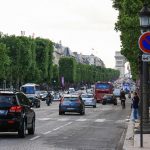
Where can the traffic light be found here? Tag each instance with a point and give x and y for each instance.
(140, 63)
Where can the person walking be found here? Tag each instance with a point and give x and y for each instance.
(135, 106)
(123, 99)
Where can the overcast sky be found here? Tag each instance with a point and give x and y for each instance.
(85, 26)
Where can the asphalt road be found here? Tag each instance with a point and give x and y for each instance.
(101, 128)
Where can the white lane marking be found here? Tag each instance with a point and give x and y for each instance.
(120, 121)
(81, 119)
(44, 119)
(47, 132)
(34, 138)
(100, 120)
(57, 128)
(62, 126)
(63, 119)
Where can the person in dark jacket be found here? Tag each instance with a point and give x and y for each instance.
(135, 106)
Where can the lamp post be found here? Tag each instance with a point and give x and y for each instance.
(144, 16)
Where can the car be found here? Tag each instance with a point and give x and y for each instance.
(71, 90)
(16, 114)
(43, 95)
(35, 102)
(56, 97)
(89, 100)
(109, 98)
(71, 103)
(117, 92)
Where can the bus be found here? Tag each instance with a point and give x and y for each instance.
(102, 88)
(30, 89)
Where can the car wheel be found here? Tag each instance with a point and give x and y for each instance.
(115, 103)
(103, 103)
(94, 106)
(61, 113)
(32, 129)
(22, 130)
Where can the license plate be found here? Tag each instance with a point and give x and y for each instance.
(3, 112)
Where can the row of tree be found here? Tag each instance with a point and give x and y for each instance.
(24, 59)
(129, 26)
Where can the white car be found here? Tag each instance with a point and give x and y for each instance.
(89, 100)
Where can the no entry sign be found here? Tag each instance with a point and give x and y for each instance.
(144, 42)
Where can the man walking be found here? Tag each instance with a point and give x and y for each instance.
(135, 105)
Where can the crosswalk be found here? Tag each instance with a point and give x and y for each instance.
(100, 120)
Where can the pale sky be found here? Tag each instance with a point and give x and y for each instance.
(81, 25)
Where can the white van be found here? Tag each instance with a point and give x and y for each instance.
(117, 92)
(31, 89)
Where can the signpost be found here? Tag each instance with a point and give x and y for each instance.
(146, 57)
(144, 42)
(144, 45)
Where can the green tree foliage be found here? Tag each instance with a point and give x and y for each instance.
(128, 25)
(44, 50)
(74, 72)
(4, 61)
(67, 69)
(30, 60)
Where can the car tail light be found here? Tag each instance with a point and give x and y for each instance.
(11, 121)
(15, 109)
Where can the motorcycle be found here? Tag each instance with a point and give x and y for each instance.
(48, 101)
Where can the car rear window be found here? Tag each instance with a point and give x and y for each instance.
(70, 98)
(7, 100)
(86, 96)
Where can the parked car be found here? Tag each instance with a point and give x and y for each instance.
(109, 98)
(16, 114)
(89, 100)
(35, 102)
(71, 103)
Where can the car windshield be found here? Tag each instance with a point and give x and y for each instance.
(28, 90)
(7, 100)
(102, 86)
(70, 98)
(86, 96)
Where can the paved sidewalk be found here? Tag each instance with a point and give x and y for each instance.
(132, 140)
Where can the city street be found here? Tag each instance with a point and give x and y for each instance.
(100, 128)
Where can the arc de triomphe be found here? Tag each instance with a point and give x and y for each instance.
(120, 63)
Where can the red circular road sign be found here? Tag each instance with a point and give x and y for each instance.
(144, 42)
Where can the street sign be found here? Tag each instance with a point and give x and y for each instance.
(144, 42)
(146, 57)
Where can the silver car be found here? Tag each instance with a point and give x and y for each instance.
(89, 100)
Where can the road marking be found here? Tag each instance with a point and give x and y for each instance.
(81, 119)
(120, 121)
(34, 138)
(63, 119)
(47, 132)
(62, 126)
(100, 120)
(44, 119)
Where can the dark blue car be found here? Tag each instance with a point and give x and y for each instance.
(71, 103)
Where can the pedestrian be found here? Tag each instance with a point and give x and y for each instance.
(135, 106)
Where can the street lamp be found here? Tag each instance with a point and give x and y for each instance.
(144, 17)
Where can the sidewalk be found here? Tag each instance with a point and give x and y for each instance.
(132, 140)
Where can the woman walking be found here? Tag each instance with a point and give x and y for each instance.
(135, 106)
